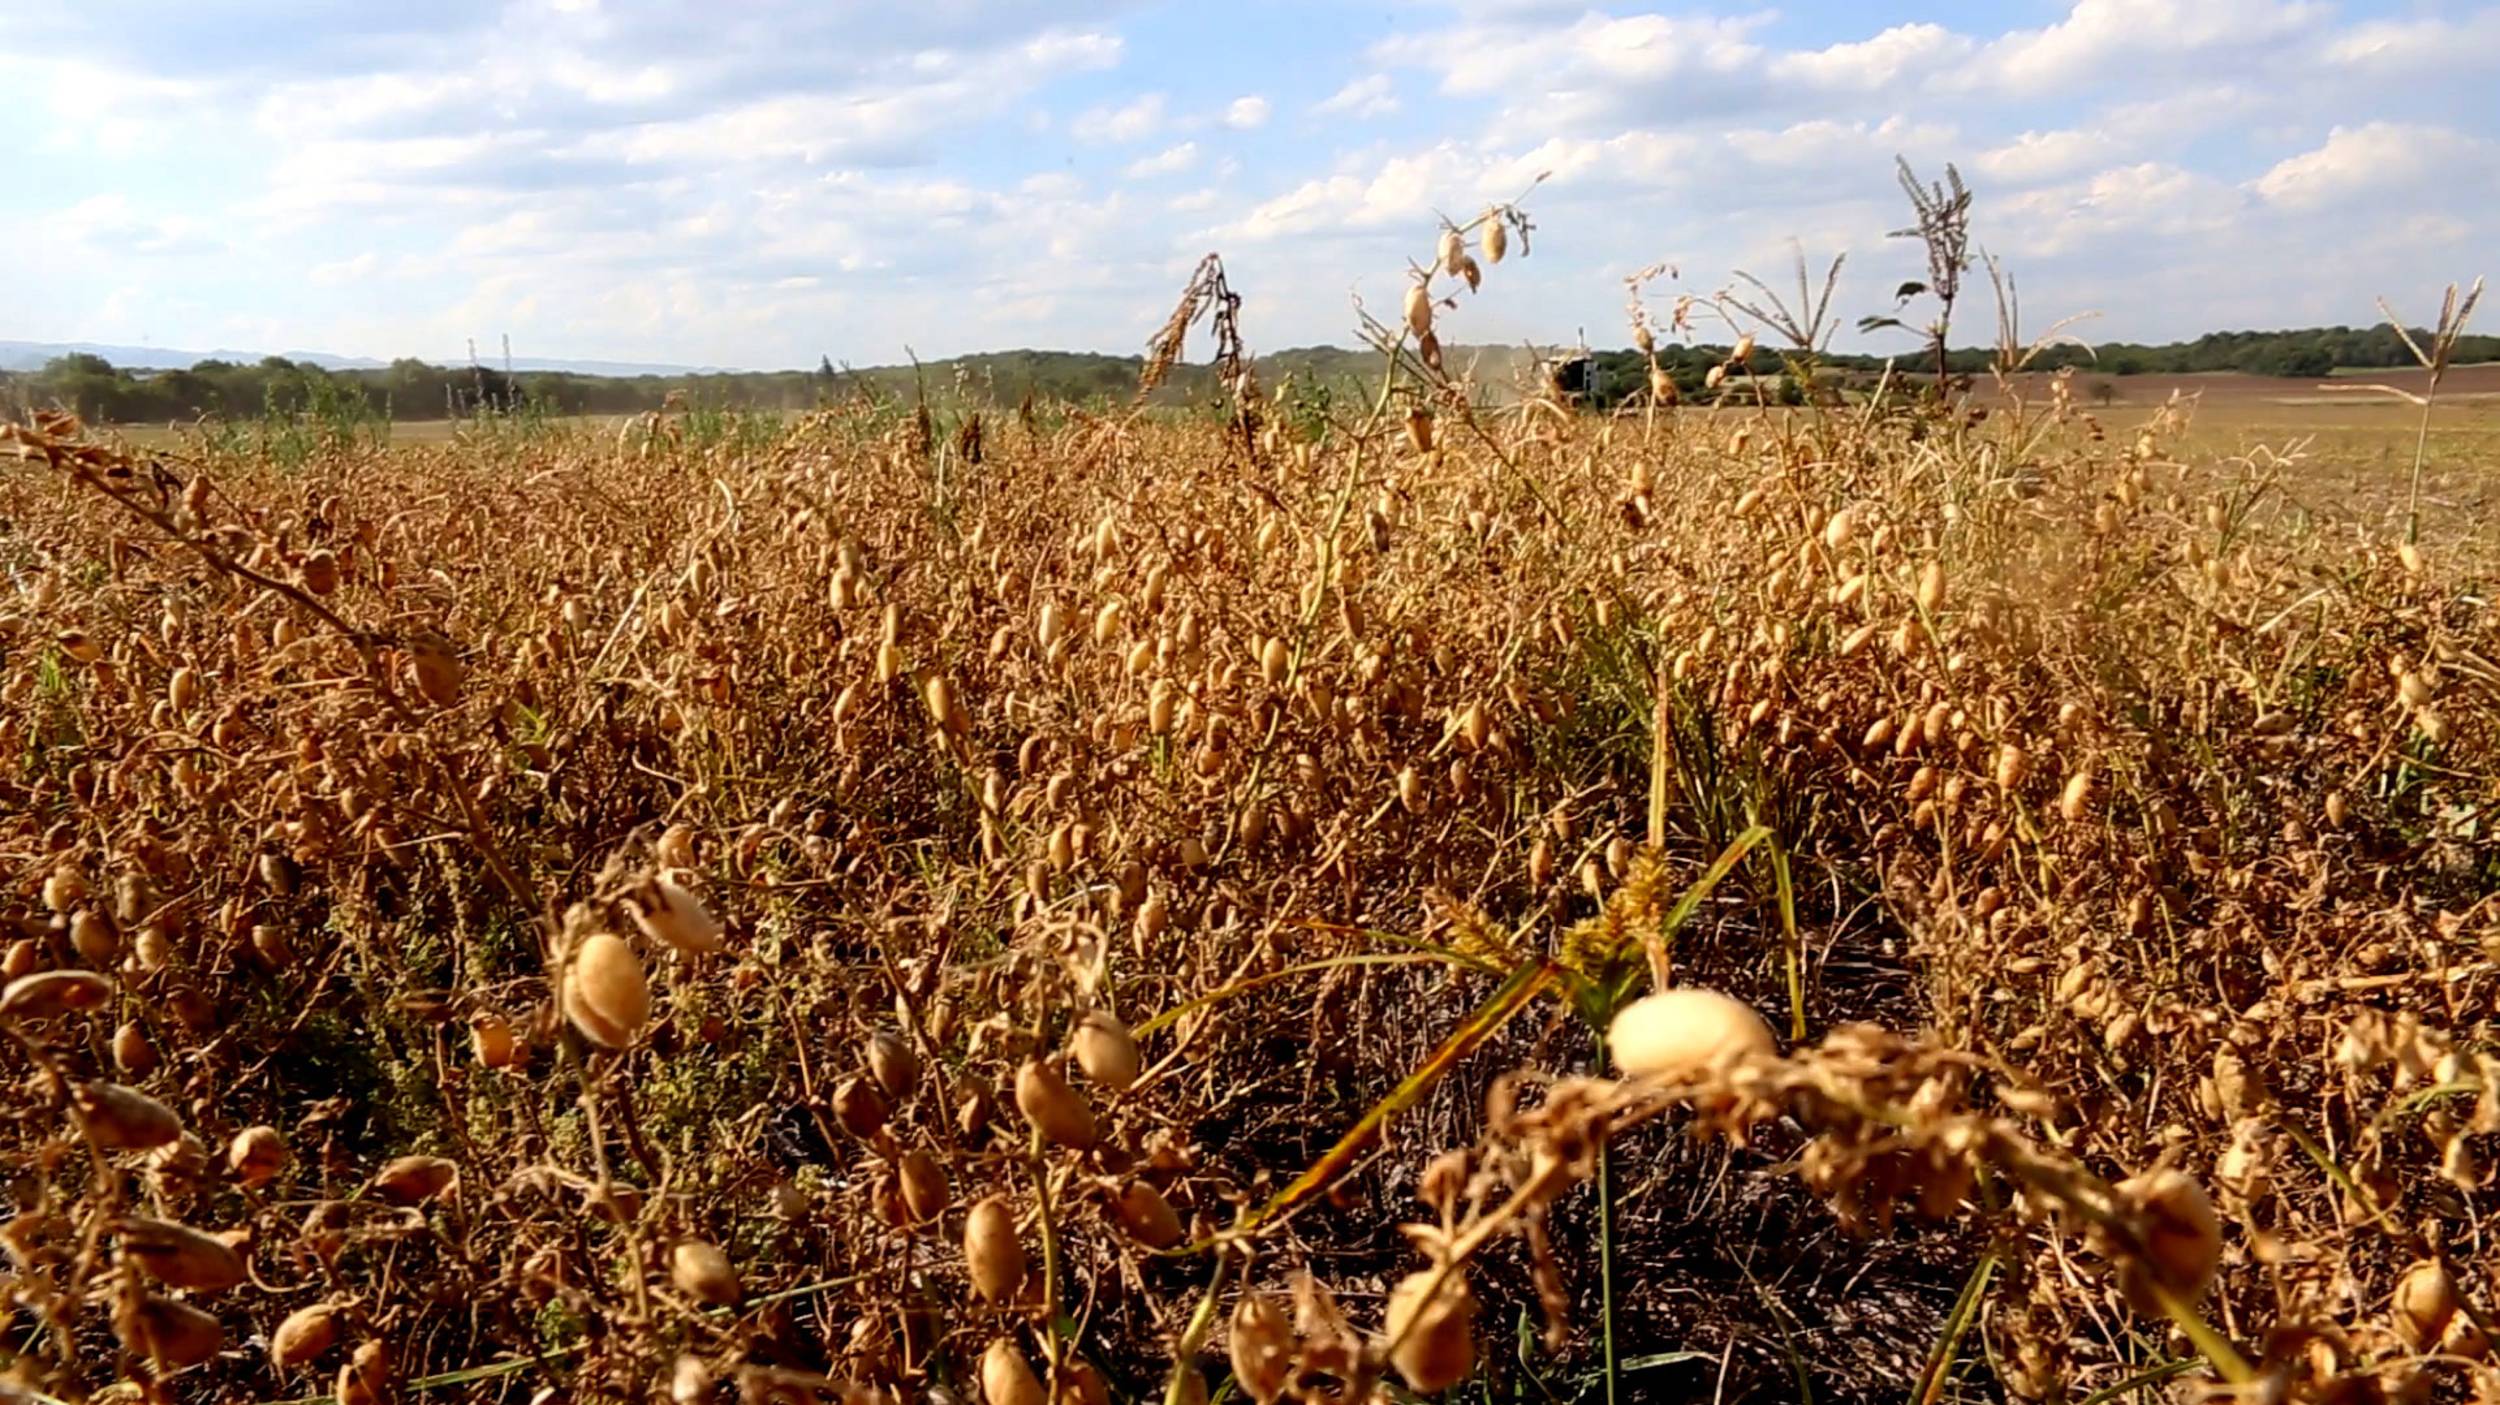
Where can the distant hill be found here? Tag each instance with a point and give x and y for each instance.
(142, 384)
(34, 355)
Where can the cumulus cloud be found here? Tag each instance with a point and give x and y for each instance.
(2097, 36)
(1170, 161)
(1373, 95)
(1596, 69)
(1247, 113)
(2044, 155)
(1126, 122)
(1902, 52)
(2400, 46)
(2373, 159)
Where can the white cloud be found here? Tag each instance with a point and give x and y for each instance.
(1170, 161)
(726, 185)
(2098, 37)
(1903, 51)
(2150, 198)
(2036, 156)
(1370, 96)
(1127, 122)
(2408, 46)
(1595, 69)
(2375, 158)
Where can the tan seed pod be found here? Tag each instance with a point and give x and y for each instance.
(667, 913)
(1683, 1033)
(438, 670)
(304, 1336)
(605, 993)
(1105, 1050)
(2426, 1298)
(859, 1107)
(1842, 526)
(2075, 802)
(1494, 238)
(2182, 1240)
(1049, 1104)
(365, 1377)
(1006, 1378)
(124, 1119)
(1275, 657)
(675, 848)
(689, 1381)
(1931, 587)
(1453, 249)
(64, 889)
(1431, 1330)
(43, 994)
(1418, 309)
(413, 1180)
(923, 1184)
(1261, 1348)
(179, 1256)
(2013, 766)
(133, 1052)
(1147, 1216)
(992, 1252)
(256, 1155)
(152, 949)
(173, 1334)
(702, 1272)
(892, 1063)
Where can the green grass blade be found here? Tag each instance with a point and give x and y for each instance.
(1516, 994)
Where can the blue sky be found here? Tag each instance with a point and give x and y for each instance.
(755, 184)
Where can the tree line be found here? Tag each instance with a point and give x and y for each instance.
(410, 389)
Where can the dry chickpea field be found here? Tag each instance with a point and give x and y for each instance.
(1924, 897)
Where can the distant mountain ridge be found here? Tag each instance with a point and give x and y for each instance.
(32, 356)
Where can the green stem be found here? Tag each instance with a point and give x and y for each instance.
(1792, 945)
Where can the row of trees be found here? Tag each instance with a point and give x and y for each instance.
(413, 390)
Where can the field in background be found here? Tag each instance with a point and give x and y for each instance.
(868, 902)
